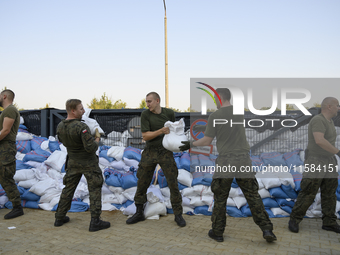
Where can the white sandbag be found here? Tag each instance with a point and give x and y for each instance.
(152, 209)
(35, 164)
(116, 152)
(184, 177)
(263, 193)
(20, 156)
(56, 160)
(268, 179)
(40, 187)
(131, 162)
(203, 190)
(49, 195)
(231, 202)
(235, 192)
(187, 209)
(279, 211)
(130, 193)
(187, 192)
(109, 198)
(286, 178)
(44, 146)
(240, 201)
(49, 206)
(104, 162)
(116, 190)
(166, 191)
(63, 148)
(22, 121)
(259, 181)
(108, 207)
(105, 189)
(200, 200)
(81, 191)
(54, 174)
(92, 124)
(154, 195)
(23, 175)
(173, 140)
(314, 213)
(119, 165)
(119, 199)
(28, 183)
(3, 201)
(114, 136)
(130, 210)
(22, 136)
(186, 202)
(302, 155)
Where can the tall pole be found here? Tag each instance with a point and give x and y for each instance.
(166, 59)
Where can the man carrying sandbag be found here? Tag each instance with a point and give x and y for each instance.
(81, 159)
(320, 169)
(233, 151)
(9, 125)
(153, 131)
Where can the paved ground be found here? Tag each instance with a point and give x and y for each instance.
(34, 233)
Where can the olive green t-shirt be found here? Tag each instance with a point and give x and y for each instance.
(231, 136)
(152, 122)
(10, 112)
(320, 124)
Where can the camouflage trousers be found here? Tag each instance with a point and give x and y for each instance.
(94, 179)
(8, 151)
(327, 181)
(150, 158)
(220, 186)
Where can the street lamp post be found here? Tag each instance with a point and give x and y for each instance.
(166, 59)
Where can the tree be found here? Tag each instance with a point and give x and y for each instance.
(174, 109)
(190, 109)
(48, 105)
(142, 104)
(106, 103)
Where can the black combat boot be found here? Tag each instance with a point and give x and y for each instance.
(16, 212)
(335, 228)
(97, 224)
(212, 235)
(138, 216)
(269, 236)
(293, 226)
(180, 221)
(60, 222)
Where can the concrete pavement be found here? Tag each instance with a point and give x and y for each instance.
(34, 233)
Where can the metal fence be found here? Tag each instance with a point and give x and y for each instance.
(263, 138)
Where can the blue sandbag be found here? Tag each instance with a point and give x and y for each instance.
(76, 206)
(293, 158)
(21, 165)
(233, 211)
(54, 146)
(205, 160)
(125, 205)
(177, 160)
(23, 146)
(194, 162)
(273, 159)
(285, 202)
(132, 153)
(277, 192)
(181, 186)
(22, 126)
(234, 184)
(38, 155)
(103, 154)
(256, 162)
(184, 162)
(202, 210)
(2, 191)
(169, 211)
(287, 208)
(161, 179)
(289, 191)
(37, 141)
(270, 213)
(128, 179)
(269, 202)
(24, 203)
(112, 177)
(246, 210)
(199, 178)
(29, 196)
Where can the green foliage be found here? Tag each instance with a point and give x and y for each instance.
(48, 105)
(142, 104)
(106, 103)
(190, 109)
(174, 109)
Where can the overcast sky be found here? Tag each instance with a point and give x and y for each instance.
(51, 51)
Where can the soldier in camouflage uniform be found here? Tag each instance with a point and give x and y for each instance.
(320, 169)
(81, 160)
(9, 125)
(233, 151)
(153, 130)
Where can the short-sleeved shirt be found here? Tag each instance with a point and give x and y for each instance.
(10, 112)
(230, 136)
(320, 124)
(76, 137)
(151, 122)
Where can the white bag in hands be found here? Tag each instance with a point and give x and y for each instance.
(173, 140)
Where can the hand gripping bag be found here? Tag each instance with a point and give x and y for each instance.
(173, 140)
